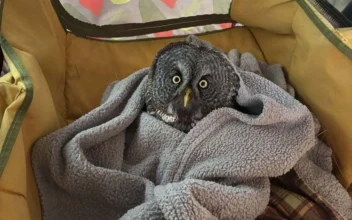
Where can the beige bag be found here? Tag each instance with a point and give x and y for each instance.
(59, 70)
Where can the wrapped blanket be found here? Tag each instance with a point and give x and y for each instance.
(118, 162)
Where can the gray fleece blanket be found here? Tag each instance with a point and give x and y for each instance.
(118, 162)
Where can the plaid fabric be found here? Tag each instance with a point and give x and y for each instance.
(291, 198)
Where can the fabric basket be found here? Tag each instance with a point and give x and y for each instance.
(62, 54)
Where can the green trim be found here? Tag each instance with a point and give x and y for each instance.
(15, 126)
(337, 42)
(1, 9)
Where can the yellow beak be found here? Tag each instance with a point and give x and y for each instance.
(186, 98)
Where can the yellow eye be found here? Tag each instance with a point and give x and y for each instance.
(203, 84)
(176, 79)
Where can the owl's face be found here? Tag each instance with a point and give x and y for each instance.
(187, 82)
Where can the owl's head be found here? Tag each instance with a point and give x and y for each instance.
(188, 80)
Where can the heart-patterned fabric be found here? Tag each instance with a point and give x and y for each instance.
(114, 12)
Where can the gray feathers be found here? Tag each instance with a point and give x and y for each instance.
(188, 80)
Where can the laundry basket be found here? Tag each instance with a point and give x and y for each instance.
(63, 54)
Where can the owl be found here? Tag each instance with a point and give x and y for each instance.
(188, 80)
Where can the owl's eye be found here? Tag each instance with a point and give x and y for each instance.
(176, 79)
(203, 84)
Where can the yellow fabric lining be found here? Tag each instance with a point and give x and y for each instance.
(17, 185)
(11, 97)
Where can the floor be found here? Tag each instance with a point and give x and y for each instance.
(339, 4)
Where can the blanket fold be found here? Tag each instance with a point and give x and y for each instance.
(118, 162)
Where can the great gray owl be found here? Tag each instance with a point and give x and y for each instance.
(187, 80)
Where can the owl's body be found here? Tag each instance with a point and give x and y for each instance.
(187, 81)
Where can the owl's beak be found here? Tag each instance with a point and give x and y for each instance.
(187, 97)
